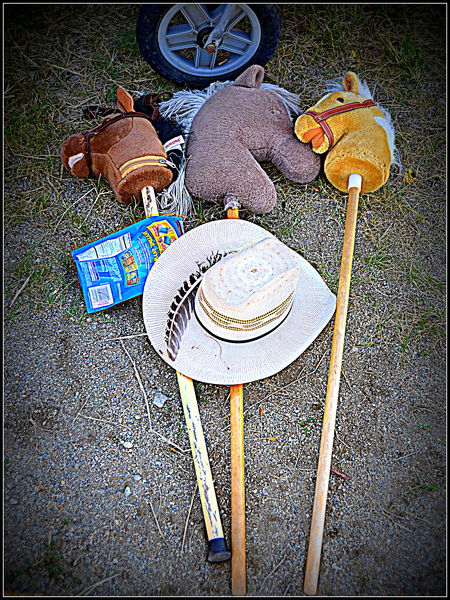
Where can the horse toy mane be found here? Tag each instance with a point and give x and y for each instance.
(356, 132)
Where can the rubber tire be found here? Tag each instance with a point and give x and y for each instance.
(146, 35)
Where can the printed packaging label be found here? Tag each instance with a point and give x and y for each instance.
(114, 268)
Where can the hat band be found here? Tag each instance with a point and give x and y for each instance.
(234, 341)
(243, 325)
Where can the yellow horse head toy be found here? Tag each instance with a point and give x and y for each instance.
(356, 132)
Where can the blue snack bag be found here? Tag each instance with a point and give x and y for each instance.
(114, 268)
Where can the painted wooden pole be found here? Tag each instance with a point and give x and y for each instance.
(329, 419)
(218, 551)
(238, 537)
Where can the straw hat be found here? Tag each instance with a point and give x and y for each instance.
(228, 303)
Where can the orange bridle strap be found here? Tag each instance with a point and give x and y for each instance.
(321, 118)
(144, 161)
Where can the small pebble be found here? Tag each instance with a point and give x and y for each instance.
(159, 399)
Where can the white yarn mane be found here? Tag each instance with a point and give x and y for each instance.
(184, 105)
(385, 122)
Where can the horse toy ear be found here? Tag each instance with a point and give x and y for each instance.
(125, 101)
(73, 156)
(351, 82)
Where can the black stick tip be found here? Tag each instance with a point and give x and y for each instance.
(218, 551)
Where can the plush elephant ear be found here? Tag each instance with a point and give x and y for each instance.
(251, 77)
(125, 101)
(351, 83)
(73, 156)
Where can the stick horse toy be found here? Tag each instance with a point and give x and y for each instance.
(126, 150)
(359, 138)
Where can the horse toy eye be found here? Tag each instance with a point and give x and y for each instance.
(340, 99)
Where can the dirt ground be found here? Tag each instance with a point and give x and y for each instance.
(83, 514)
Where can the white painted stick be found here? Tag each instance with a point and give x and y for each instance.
(218, 551)
(149, 201)
(329, 418)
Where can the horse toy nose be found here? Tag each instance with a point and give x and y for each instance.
(360, 140)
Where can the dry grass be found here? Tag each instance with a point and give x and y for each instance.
(60, 58)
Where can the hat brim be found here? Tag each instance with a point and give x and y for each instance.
(203, 357)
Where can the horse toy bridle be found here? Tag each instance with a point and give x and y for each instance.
(151, 160)
(321, 118)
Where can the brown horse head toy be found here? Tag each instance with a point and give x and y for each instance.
(124, 149)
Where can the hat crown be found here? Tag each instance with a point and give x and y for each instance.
(250, 272)
(248, 292)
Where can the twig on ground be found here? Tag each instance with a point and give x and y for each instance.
(123, 337)
(92, 206)
(347, 381)
(157, 524)
(405, 455)
(58, 221)
(20, 291)
(36, 157)
(280, 389)
(91, 587)
(65, 69)
(390, 518)
(56, 293)
(271, 573)
(341, 440)
(187, 518)
(169, 442)
(141, 385)
(79, 412)
(100, 420)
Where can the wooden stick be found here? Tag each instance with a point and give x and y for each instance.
(329, 419)
(238, 560)
(218, 551)
(149, 201)
(238, 538)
